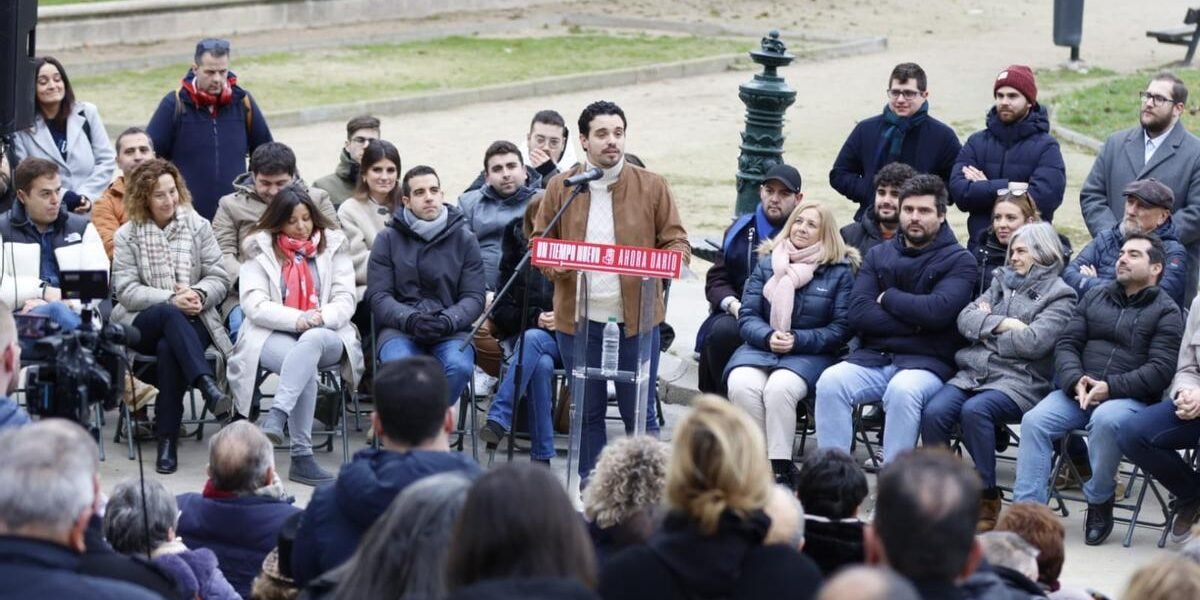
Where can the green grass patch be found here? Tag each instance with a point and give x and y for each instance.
(1055, 78)
(1101, 109)
(290, 80)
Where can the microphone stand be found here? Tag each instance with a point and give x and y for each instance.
(517, 272)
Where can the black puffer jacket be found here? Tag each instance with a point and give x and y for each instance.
(507, 316)
(1129, 342)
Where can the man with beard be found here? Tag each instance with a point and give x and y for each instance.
(1014, 152)
(883, 220)
(340, 184)
(903, 133)
(1148, 206)
(1157, 147)
(904, 308)
(719, 335)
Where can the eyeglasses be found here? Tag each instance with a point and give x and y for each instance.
(213, 45)
(552, 143)
(1155, 99)
(908, 94)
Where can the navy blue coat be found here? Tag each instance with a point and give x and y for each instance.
(339, 513)
(1023, 151)
(210, 151)
(929, 148)
(819, 322)
(916, 325)
(1102, 254)
(728, 274)
(240, 531)
(32, 568)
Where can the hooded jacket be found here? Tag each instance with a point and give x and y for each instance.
(76, 243)
(339, 514)
(1022, 151)
(487, 215)
(210, 150)
(1129, 342)
(1104, 250)
(679, 561)
(197, 574)
(913, 327)
(340, 184)
(409, 275)
(1019, 363)
(864, 233)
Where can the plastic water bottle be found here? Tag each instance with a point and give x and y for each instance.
(610, 347)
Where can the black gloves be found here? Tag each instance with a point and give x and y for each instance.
(428, 328)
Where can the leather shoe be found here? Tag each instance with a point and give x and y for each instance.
(1098, 523)
(168, 459)
(213, 396)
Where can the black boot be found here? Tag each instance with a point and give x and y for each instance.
(213, 396)
(785, 472)
(168, 459)
(1098, 523)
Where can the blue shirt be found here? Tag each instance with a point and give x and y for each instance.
(48, 271)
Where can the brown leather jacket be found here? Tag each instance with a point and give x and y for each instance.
(108, 213)
(644, 214)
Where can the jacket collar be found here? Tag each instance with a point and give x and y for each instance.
(45, 141)
(1144, 298)
(944, 237)
(1034, 123)
(39, 553)
(20, 218)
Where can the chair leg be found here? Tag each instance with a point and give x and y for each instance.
(129, 429)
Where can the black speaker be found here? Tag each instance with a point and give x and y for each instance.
(18, 23)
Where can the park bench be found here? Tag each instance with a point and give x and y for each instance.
(1187, 34)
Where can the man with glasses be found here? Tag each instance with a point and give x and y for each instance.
(1014, 153)
(547, 151)
(1157, 147)
(340, 184)
(903, 133)
(208, 126)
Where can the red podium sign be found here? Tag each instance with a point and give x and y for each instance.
(605, 258)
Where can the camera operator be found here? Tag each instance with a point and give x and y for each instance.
(37, 235)
(11, 413)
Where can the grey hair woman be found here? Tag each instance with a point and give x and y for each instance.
(624, 493)
(1043, 244)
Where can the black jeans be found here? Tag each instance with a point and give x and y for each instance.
(723, 339)
(178, 341)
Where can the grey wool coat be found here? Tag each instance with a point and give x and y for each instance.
(1176, 163)
(1018, 363)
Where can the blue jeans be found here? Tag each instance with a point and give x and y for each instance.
(459, 365)
(1054, 417)
(903, 391)
(1150, 439)
(979, 414)
(595, 400)
(537, 376)
(235, 318)
(60, 314)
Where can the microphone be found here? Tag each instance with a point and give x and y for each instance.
(591, 174)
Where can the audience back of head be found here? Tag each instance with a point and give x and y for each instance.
(628, 480)
(868, 583)
(1038, 525)
(47, 481)
(240, 458)
(410, 400)
(1168, 579)
(133, 531)
(1007, 549)
(831, 484)
(787, 518)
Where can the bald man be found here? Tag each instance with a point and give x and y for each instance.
(868, 583)
(11, 413)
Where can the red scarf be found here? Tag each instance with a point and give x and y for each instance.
(297, 281)
(211, 491)
(204, 99)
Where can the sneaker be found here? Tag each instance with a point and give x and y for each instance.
(1186, 516)
(875, 461)
(305, 470)
(491, 433)
(484, 383)
(272, 425)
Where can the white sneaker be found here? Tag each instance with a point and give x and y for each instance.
(484, 383)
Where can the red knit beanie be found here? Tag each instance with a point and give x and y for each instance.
(1020, 78)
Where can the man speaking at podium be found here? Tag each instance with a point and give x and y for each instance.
(624, 205)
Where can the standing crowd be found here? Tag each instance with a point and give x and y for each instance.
(234, 271)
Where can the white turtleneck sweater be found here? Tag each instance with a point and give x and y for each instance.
(604, 290)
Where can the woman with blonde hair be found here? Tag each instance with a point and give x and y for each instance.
(794, 323)
(711, 542)
(1013, 210)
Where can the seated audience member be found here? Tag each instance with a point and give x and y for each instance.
(539, 357)
(100, 560)
(502, 549)
(426, 285)
(1013, 560)
(297, 290)
(868, 583)
(148, 528)
(710, 544)
(1041, 527)
(623, 494)
(243, 505)
(990, 246)
(882, 222)
(1165, 579)
(377, 196)
(168, 282)
(413, 424)
(1008, 364)
(40, 240)
(275, 581)
(68, 133)
(924, 529)
(108, 211)
(547, 150)
(404, 553)
(340, 185)
(1148, 212)
(793, 320)
(272, 168)
(719, 335)
(832, 487)
(903, 307)
(787, 518)
(1115, 356)
(1152, 438)
(49, 490)
(11, 413)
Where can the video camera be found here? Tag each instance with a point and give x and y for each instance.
(78, 368)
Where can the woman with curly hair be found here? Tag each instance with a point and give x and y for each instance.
(622, 497)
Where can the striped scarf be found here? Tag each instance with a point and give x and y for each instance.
(168, 251)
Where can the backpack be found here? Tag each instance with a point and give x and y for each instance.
(179, 113)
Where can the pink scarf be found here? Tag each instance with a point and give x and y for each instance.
(791, 269)
(297, 281)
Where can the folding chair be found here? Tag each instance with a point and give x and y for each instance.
(141, 363)
(330, 378)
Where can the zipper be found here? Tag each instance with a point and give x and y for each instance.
(1112, 353)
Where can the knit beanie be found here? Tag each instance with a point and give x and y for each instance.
(1020, 78)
